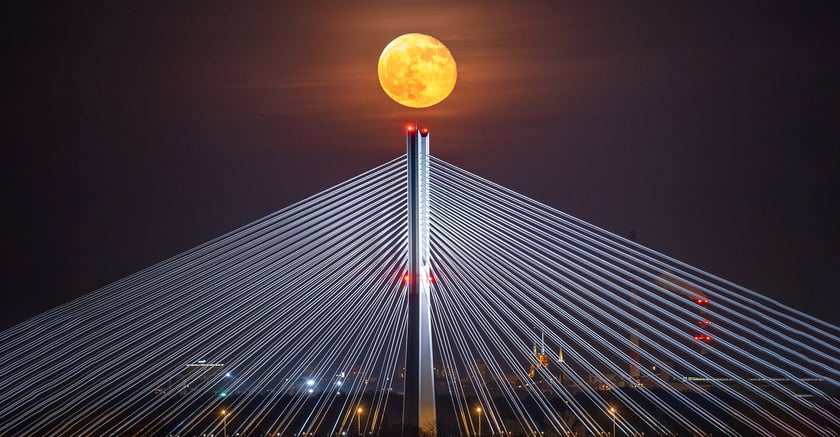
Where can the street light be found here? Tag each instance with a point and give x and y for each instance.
(359, 420)
(612, 414)
(478, 411)
(224, 422)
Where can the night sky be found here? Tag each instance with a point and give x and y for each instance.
(137, 130)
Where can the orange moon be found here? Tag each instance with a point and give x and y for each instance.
(417, 70)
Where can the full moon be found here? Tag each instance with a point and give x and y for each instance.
(417, 70)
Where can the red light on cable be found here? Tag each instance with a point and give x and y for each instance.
(701, 301)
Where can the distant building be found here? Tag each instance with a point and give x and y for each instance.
(200, 375)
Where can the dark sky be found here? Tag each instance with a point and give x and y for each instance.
(137, 130)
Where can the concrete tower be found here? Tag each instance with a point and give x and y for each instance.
(419, 402)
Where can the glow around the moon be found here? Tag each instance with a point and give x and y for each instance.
(417, 70)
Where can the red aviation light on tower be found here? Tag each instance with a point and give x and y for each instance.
(407, 278)
(410, 128)
(424, 132)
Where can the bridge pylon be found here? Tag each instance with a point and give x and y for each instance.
(419, 401)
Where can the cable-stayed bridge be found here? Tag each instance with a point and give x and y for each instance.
(303, 323)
